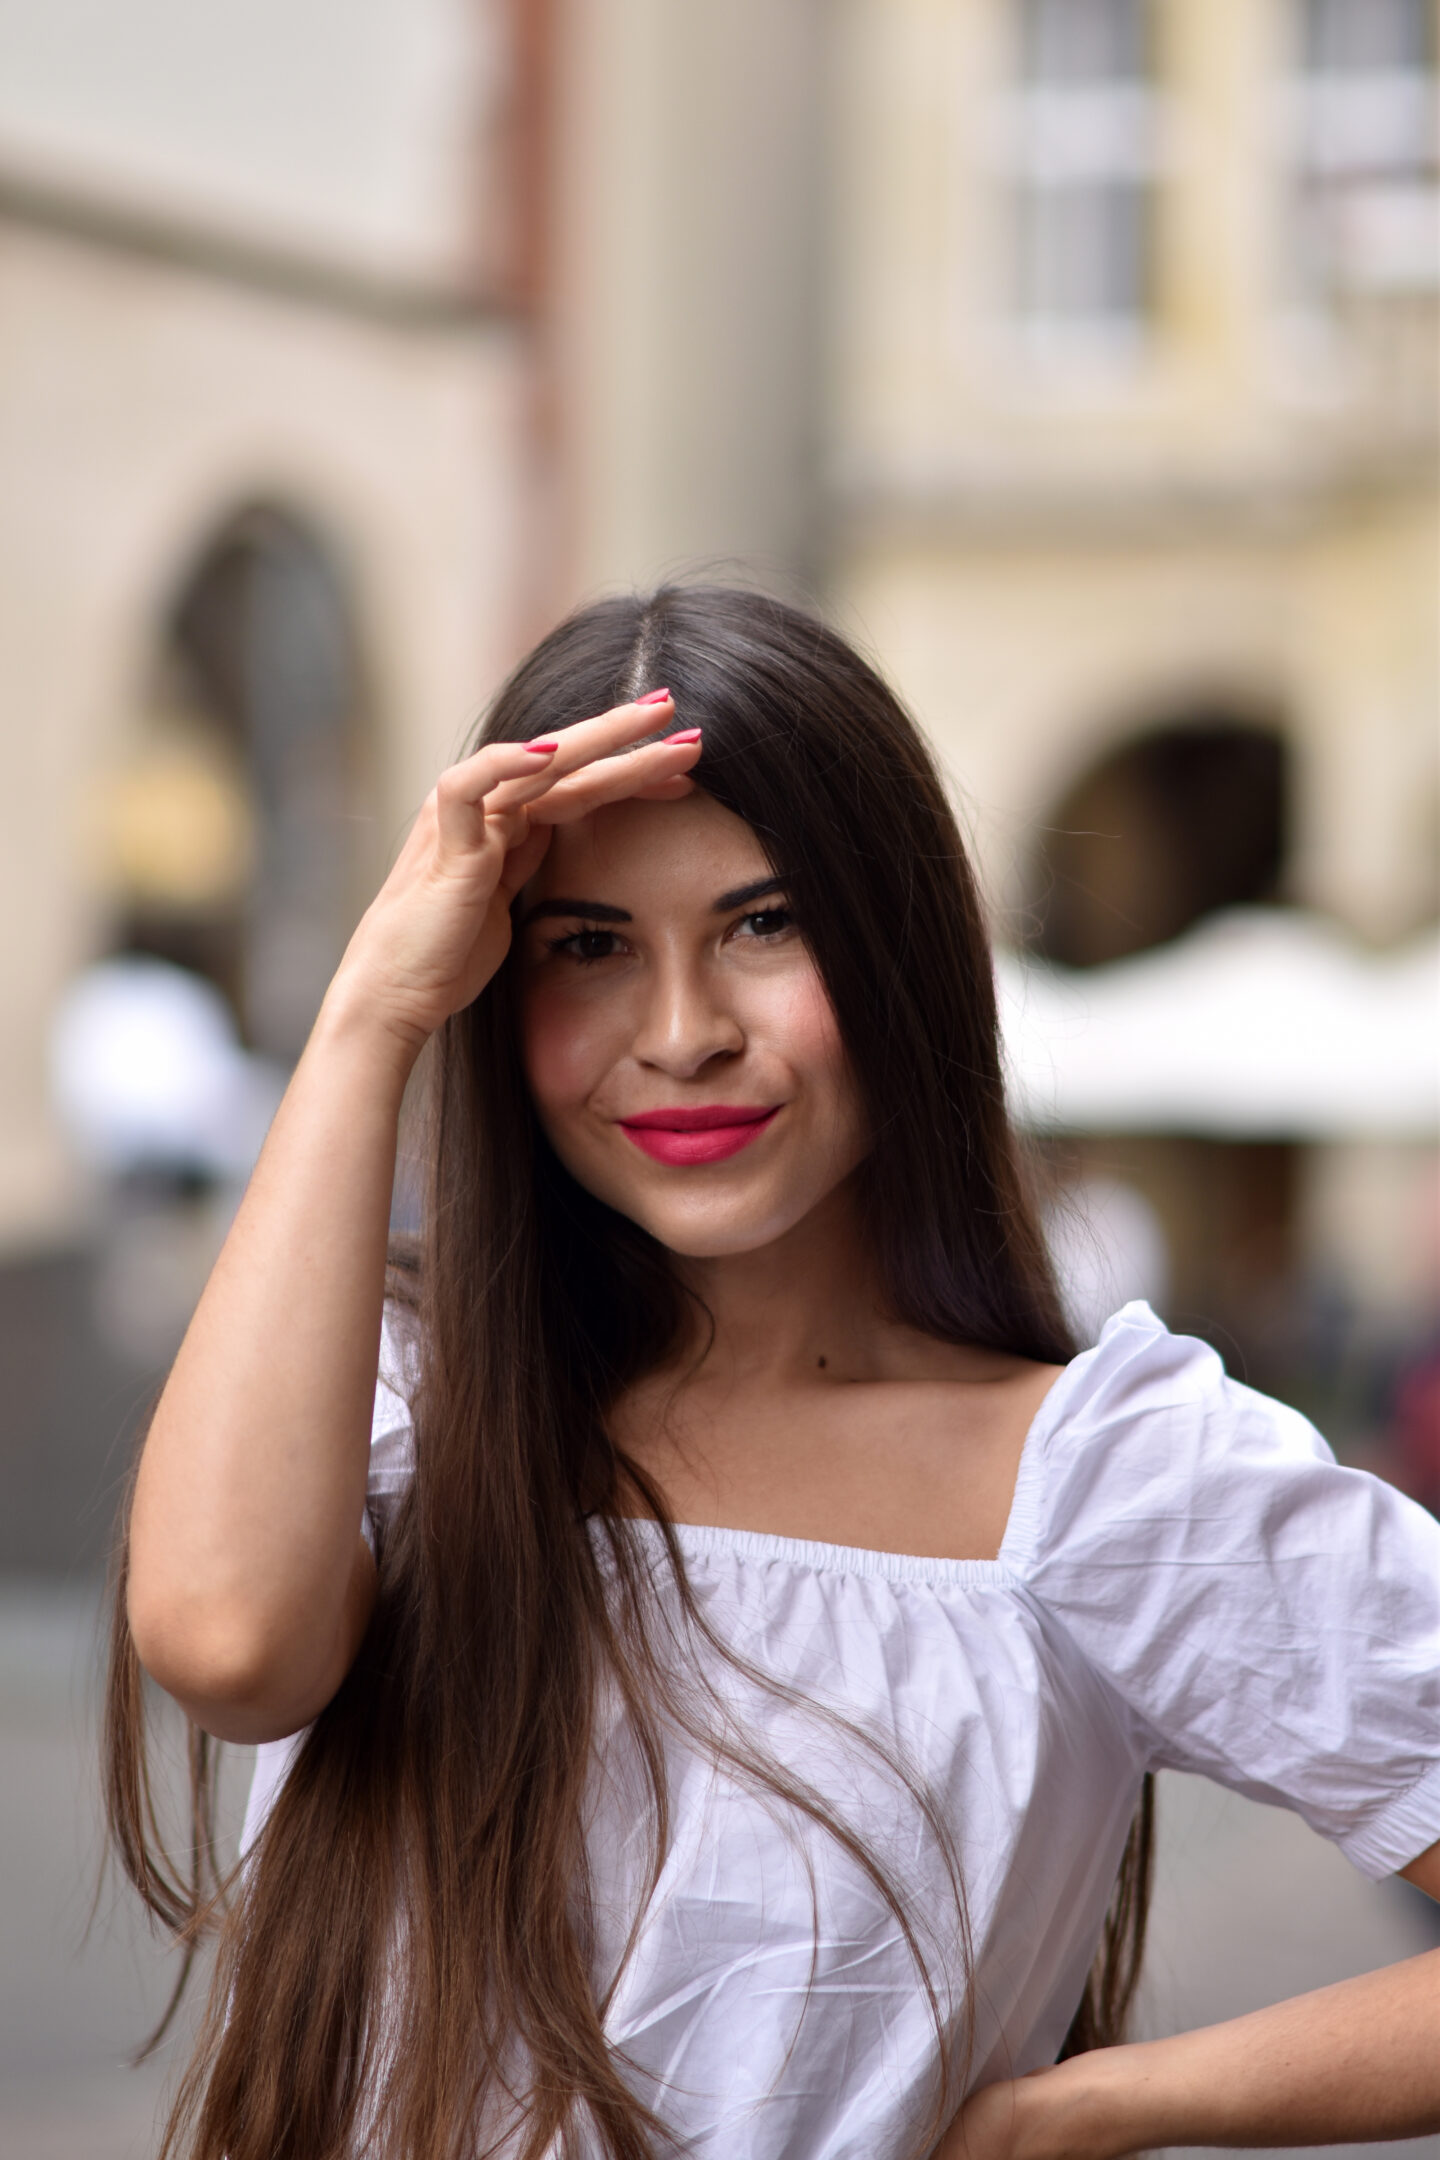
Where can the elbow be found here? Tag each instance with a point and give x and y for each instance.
(223, 1667)
(244, 1668)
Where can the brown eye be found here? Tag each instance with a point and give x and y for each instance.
(586, 945)
(766, 922)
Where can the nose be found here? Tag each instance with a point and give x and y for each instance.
(685, 1023)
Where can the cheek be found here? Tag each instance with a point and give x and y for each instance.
(569, 1043)
(797, 1020)
(813, 1033)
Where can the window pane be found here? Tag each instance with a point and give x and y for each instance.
(1084, 40)
(1362, 136)
(1363, 36)
(1083, 253)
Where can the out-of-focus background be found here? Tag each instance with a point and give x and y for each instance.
(1079, 357)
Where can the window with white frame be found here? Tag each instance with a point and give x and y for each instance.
(1361, 131)
(1080, 142)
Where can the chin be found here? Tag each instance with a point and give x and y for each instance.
(700, 1224)
(691, 1239)
(710, 1227)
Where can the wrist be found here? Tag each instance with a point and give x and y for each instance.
(1078, 2110)
(353, 1024)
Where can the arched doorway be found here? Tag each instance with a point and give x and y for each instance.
(238, 814)
(1182, 818)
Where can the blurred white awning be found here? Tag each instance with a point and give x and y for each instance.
(1261, 1023)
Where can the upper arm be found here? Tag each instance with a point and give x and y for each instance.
(265, 1696)
(1424, 1872)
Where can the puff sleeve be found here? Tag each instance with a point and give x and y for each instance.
(1271, 1619)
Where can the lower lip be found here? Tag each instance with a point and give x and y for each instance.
(712, 1145)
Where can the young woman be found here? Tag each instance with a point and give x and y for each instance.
(705, 1692)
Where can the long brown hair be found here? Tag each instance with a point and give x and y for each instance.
(406, 1968)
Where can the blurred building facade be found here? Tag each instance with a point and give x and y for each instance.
(271, 449)
(1133, 474)
(1078, 355)
(1135, 384)
(265, 417)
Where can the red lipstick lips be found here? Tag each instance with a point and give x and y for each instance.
(702, 1133)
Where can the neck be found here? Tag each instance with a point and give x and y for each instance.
(807, 1302)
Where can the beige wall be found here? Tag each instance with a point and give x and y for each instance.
(687, 282)
(352, 131)
(139, 404)
(1027, 658)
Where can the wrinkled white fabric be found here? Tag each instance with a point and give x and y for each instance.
(1187, 1579)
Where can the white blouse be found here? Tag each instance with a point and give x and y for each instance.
(1187, 1580)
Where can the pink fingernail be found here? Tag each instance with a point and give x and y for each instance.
(540, 748)
(654, 697)
(689, 734)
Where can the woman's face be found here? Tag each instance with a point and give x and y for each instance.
(680, 1047)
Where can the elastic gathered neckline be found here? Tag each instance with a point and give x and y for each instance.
(814, 1557)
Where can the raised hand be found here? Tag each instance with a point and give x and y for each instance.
(440, 925)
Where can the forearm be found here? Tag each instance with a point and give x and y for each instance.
(247, 1577)
(1359, 2060)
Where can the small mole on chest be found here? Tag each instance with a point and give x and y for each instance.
(821, 1362)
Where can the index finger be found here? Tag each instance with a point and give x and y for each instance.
(609, 734)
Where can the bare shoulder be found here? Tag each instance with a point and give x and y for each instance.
(994, 1383)
(961, 1443)
(960, 1392)
(1013, 1399)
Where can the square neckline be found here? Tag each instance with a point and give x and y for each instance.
(818, 1556)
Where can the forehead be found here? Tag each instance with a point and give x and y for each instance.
(651, 852)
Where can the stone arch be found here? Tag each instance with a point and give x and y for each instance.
(1187, 813)
(239, 817)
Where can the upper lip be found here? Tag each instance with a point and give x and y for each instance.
(699, 1117)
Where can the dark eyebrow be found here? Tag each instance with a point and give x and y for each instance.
(592, 910)
(602, 911)
(743, 894)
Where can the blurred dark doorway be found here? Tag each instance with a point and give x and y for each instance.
(257, 694)
(1179, 821)
(1182, 819)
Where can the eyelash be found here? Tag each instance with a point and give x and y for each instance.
(571, 946)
